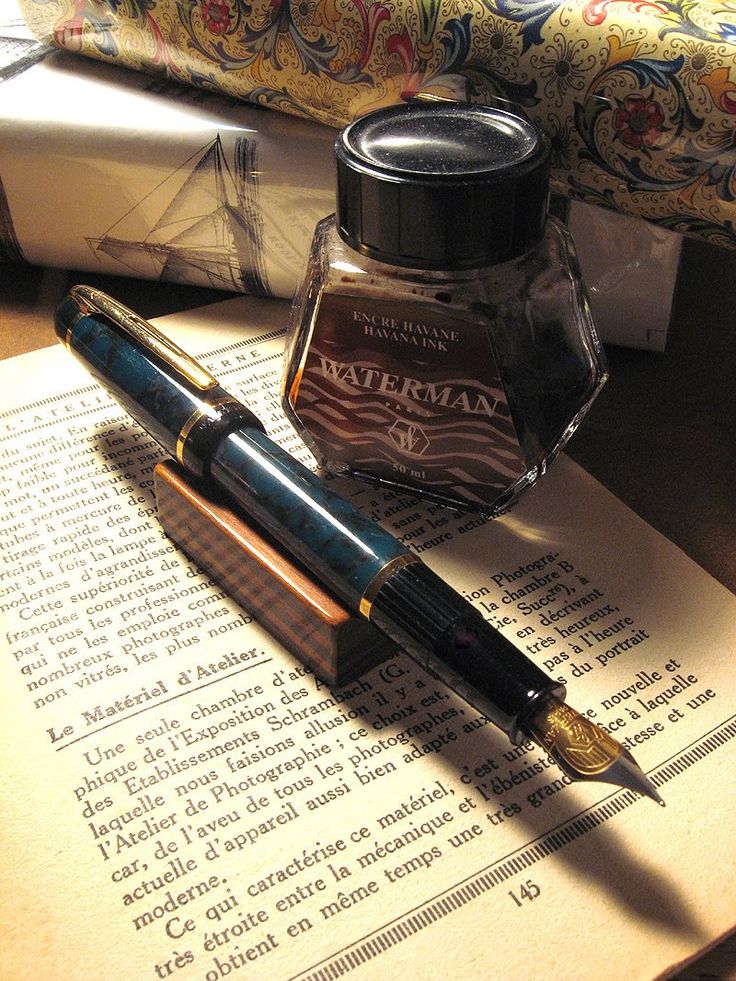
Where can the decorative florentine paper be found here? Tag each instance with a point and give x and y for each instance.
(638, 98)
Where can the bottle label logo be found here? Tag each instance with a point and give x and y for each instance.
(409, 392)
(409, 437)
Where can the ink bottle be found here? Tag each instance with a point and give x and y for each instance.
(441, 343)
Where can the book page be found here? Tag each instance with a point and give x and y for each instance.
(182, 798)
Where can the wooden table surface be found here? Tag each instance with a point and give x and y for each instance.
(662, 435)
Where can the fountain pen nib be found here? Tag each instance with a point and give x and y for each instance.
(584, 751)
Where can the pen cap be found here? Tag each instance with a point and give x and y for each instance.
(175, 399)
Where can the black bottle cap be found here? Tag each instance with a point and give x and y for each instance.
(442, 185)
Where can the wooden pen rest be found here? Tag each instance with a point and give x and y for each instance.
(315, 627)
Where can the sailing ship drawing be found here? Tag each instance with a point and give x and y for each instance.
(10, 248)
(19, 49)
(207, 226)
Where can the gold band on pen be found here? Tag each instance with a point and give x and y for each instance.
(203, 411)
(70, 331)
(381, 577)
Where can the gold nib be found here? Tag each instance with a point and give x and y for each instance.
(584, 751)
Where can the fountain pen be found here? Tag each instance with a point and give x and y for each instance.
(213, 435)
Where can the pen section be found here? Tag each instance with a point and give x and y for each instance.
(449, 638)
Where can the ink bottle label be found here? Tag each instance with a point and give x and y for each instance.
(409, 392)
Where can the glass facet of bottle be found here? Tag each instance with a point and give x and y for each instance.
(458, 385)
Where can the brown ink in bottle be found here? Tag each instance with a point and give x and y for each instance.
(441, 342)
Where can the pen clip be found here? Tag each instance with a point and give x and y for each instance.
(91, 300)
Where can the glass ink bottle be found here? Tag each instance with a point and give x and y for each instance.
(441, 343)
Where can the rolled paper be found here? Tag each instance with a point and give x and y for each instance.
(639, 98)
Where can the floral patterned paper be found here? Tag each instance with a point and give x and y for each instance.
(639, 98)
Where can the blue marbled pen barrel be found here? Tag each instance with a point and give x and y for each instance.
(216, 437)
(172, 397)
(327, 534)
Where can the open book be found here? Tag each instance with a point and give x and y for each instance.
(182, 798)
